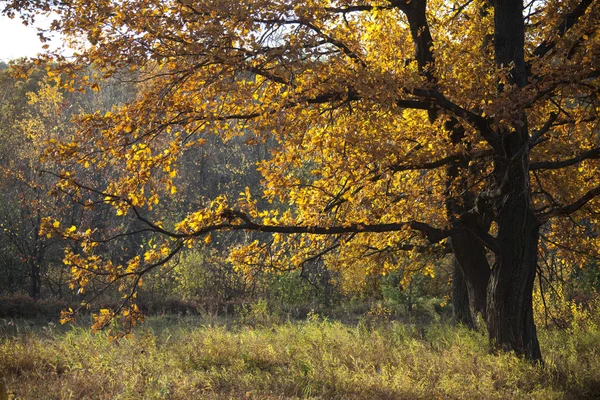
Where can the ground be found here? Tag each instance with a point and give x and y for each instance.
(174, 357)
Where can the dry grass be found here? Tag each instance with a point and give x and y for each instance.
(174, 359)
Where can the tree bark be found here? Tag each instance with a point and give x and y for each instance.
(461, 311)
(510, 314)
(509, 301)
(509, 308)
(471, 261)
(471, 270)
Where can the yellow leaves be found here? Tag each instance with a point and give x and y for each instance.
(181, 225)
(339, 163)
(428, 271)
(151, 256)
(247, 203)
(66, 316)
(133, 265)
(49, 227)
(165, 250)
(102, 320)
(214, 214)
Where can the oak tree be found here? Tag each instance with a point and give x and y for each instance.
(401, 125)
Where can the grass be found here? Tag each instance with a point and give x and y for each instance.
(178, 358)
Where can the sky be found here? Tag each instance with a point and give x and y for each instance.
(18, 40)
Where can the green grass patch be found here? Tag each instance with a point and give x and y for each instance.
(179, 358)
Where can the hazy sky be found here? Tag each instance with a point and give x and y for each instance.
(18, 40)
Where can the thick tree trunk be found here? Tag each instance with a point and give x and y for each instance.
(505, 296)
(460, 297)
(509, 309)
(470, 266)
(509, 301)
(471, 260)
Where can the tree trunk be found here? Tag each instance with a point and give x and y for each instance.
(36, 280)
(471, 261)
(36, 266)
(509, 302)
(509, 309)
(460, 297)
(471, 270)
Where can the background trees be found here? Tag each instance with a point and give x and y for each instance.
(31, 113)
(419, 127)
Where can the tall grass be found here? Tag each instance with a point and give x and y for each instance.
(168, 359)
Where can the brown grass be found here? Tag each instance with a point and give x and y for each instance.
(179, 359)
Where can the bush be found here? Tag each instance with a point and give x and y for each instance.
(23, 306)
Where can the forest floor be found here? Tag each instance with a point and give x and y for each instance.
(172, 357)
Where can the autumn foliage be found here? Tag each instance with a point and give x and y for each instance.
(399, 129)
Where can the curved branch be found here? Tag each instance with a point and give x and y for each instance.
(587, 155)
(570, 208)
(476, 120)
(448, 160)
(415, 11)
(433, 235)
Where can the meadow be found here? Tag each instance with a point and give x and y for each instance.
(172, 357)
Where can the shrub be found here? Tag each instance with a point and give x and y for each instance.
(23, 306)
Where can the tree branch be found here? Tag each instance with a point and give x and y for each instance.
(543, 130)
(357, 8)
(570, 208)
(563, 27)
(593, 154)
(477, 121)
(451, 159)
(433, 235)
(480, 234)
